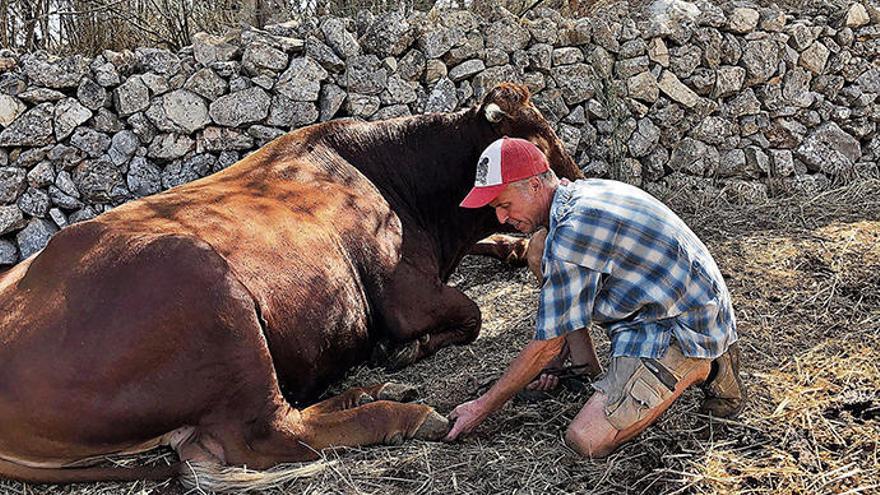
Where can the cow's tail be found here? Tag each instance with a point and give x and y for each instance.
(19, 472)
(211, 477)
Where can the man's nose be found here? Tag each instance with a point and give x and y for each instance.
(501, 214)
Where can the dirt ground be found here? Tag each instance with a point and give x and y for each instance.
(805, 279)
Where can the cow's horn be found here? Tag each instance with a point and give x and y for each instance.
(494, 113)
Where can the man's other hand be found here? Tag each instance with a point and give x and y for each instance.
(467, 416)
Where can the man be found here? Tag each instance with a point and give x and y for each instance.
(617, 257)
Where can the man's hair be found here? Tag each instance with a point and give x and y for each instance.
(547, 178)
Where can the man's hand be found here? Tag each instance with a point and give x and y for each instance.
(467, 416)
(536, 252)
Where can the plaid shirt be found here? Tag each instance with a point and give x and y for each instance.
(618, 257)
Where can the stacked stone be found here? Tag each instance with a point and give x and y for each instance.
(682, 97)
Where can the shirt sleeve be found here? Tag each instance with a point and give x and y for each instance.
(568, 293)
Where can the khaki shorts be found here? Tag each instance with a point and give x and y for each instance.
(635, 386)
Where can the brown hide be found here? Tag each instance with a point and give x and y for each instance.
(176, 319)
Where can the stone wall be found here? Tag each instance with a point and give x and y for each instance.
(680, 98)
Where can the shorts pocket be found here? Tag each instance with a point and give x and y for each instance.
(643, 393)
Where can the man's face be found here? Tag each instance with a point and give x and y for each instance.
(519, 205)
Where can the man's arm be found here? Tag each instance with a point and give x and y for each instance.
(530, 361)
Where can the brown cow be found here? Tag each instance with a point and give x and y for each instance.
(178, 319)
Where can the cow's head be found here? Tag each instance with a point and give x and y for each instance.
(510, 112)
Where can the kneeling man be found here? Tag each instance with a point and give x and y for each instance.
(617, 257)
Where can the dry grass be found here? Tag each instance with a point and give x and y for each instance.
(805, 278)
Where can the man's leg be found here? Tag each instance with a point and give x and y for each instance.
(629, 399)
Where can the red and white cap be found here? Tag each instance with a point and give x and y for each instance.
(504, 161)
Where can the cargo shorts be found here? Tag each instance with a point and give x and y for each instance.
(635, 386)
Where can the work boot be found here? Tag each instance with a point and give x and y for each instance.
(725, 393)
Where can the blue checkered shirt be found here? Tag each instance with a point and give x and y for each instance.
(618, 257)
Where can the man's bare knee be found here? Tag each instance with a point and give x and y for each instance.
(588, 445)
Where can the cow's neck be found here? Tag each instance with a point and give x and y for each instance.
(425, 174)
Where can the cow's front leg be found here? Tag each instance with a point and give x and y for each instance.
(512, 250)
(423, 315)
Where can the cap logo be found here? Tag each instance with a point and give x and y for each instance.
(482, 170)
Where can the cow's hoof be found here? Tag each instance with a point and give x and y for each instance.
(398, 392)
(406, 354)
(434, 427)
(363, 399)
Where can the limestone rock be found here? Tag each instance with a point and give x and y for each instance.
(365, 75)
(10, 108)
(131, 96)
(33, 128)
(208, 49)
(69, 114)
(13, 181)
(11, 219)
(35, 236)
(829, 149)
(743, 20)
(143, 178)
(389, 35)
(232, 110)
(53, 73)
(676, 90)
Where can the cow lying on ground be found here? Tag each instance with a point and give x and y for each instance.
(178, 319)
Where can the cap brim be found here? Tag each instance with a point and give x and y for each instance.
(481, 196)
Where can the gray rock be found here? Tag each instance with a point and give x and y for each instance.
(10, 108)
(814, 58)
(264, 134)
(495, 57)
(365, 75)
(58, 217)
(782, 163)
(106, 75)
(54, 73)
(259, 57)
(658, 52)
(434, 70)
(66, 156)
(543, 30)
(35, 236)
(13, 181)
(187, 170)
(577, 33)
(143, 178)
(237, 84)
(745, 103)
(215, 139)
(757, 163)
(63, 200)
(715, 130)
(577, 117)
(507, 35)
(605, 35)
(232, 110)
(158, 60)
(84, 214)
(8, 253)
(630, 67)
(363, 106)
(466, 70)
(225, 159)
(170, 146)
(34, 202)
(643, 140)
(40, 176)
(339, 39)
(473, 47)
(412, 65)
(323, 55)
(302, 80)
(11, 219)
(676, 90)
(684, 59)
(332, 98)
(123, 145)
(743, 20)
(399, 91)
(97, 179)
(745, 192)
(64, 182)
(131, 96)
(728, 81)
(285, 112)
(801, 36)
(829, 149)
(390, 35)
(869, 81)
(856, 16)
(208, 49)
(796, 88)
(694, 157)
(91, 94)
(566, 56)
(785, 133)
(106, 121)
(90, 141)
(575, 82)
(180, 111)
(206, 83)
(33, 128)
(633, 48)
(772, 20)
(540, 57)
(443, 97)
(69, 114)
(142, 127)
(761, 58)
(643, 87)
(731, 163)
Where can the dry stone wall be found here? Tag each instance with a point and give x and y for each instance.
(681, 98)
